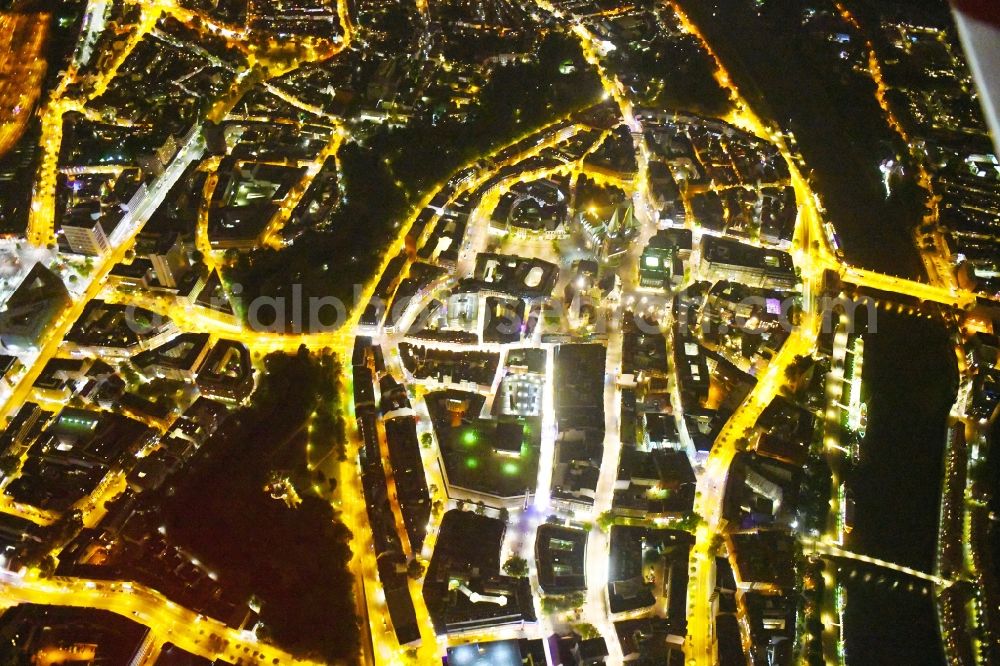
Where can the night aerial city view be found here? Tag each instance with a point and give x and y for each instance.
(500, 332)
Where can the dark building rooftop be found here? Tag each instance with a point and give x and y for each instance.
(33, 306)
(527, 278)
(579, 386)
(463, 587)
(29, 631)
(227, 373)
(116, 326)
(763, 559)
(726, 253)
(180, 356)
(560, 553)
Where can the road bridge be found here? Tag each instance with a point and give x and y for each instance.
(827, 548)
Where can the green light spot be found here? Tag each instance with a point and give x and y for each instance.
(510, 469)
(472, 463)
(469, 438)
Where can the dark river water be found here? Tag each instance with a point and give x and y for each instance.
(910, 375)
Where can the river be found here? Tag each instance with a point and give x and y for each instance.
(910, 378)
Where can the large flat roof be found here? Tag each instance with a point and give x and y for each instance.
(734, 253)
